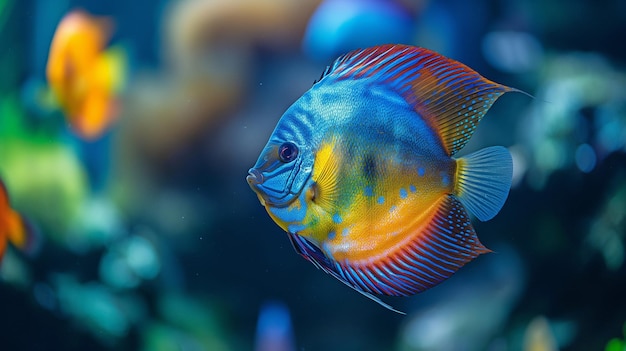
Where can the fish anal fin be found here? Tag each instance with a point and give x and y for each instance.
(314, 255)
(432, 255)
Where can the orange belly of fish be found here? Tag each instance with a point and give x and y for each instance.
(378, 237)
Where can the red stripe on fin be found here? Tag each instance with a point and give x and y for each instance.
(452, 97)
(445, 245)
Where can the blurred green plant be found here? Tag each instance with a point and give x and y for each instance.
(45, 178)
(5, 7)
(186, 320)
(617, 344)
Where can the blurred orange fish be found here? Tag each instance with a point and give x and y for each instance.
(13, 227)
(84, 76)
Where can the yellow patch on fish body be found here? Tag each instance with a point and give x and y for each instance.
(361, 219)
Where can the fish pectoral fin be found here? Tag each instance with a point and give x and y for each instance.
(325, 174)
(483, 180)
(314, 255)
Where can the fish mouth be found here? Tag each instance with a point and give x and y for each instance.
(254, 178)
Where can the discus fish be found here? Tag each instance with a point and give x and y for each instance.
(84, 77)
(360, 172)
(13, 227)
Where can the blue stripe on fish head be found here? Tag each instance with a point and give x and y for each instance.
(279, 181)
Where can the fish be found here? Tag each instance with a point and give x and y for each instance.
(274, 329)
(14, 228)
(85, 78)
(360, 170)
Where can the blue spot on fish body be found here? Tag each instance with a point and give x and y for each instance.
(331, 235)
(412, 188)
(337, 218)
(403, 193)
(381, 200)
(345, 232)
(421, 171)
(445, 180)
(368, 191)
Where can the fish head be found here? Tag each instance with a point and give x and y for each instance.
(283, 168)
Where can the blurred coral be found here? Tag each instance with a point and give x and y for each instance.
(209, 48)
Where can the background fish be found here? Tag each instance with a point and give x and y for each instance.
(359, 170)
(13, 227)
(274, 331)
(83, 75)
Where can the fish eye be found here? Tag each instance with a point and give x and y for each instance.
(287, 152)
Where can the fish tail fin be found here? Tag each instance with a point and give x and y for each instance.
(483, 180)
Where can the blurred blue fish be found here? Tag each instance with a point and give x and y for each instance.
(274, 330)
(338, 26)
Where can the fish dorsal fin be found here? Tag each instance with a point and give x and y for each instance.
(450, 96)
